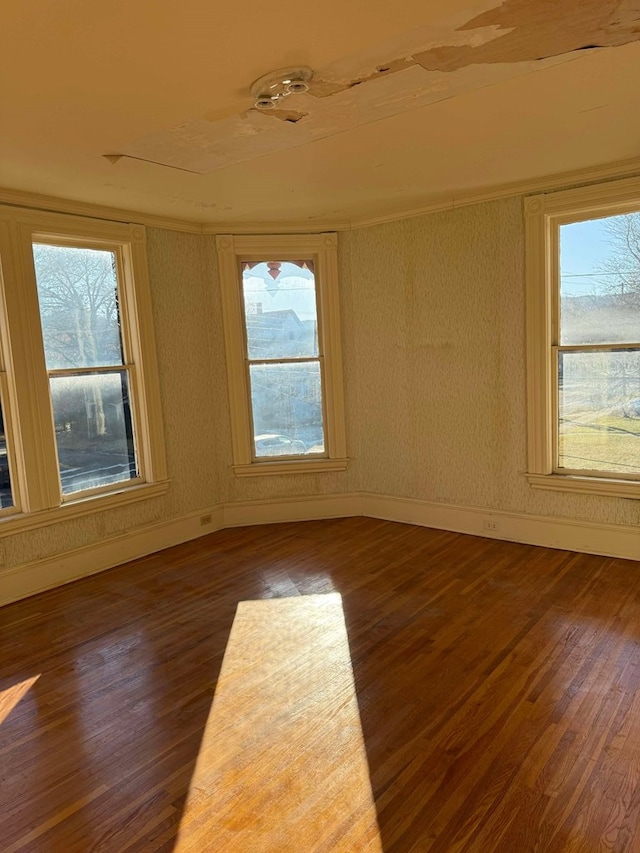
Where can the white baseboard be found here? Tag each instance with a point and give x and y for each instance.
(40, 575)
(613, 540)
(307, 508)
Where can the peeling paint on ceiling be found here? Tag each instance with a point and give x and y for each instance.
(484, 47)
(520, 31)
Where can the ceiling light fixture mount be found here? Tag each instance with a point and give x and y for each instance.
(269, 89)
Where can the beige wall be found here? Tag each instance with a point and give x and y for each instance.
(439, 363)
(233, 488)
(434, 357)
(191, 362)
(186, 339)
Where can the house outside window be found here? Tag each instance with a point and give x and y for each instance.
(281, 318)
(583, 327)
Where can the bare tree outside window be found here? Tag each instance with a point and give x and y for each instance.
(78, 296)
(79, 312)
(599, 356)
(623, 264)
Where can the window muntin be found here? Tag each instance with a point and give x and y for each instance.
(583, 339)
(78, 297)
(283, 357)
(284, 370)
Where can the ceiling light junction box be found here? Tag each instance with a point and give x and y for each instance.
(269, 89)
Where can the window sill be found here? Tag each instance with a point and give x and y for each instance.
(19, 522)
(586, 485)
(291, 466)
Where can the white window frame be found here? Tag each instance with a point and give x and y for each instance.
(322, 249)
(24, 381)
(544, 214)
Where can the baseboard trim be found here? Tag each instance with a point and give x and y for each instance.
(610, 540)
(613, 540)
(40, 575)
(304, 508)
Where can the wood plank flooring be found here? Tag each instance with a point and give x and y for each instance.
(418, 691)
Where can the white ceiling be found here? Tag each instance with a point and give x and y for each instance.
(507, 99)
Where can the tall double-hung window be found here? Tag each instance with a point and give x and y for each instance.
(282, 336)
(583, 260)
(82, 427)
(89, 372)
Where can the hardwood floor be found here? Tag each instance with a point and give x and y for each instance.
(417, 691)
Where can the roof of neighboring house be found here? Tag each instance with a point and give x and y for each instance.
(274, 319)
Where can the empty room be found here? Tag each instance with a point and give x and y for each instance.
(320, 427)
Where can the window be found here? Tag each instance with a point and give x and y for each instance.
(280, 305)
(89, 376)
(583, 270)
(78, 379)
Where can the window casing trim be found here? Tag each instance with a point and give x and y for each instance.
(544, 214)
(322, 248)
(28, 417)
(312, 465)
(14, 521)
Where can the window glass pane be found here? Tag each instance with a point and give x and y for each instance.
(93, 430)
(77, 291)
(599, 407)
(287, 409)
(280, 309)
(6, 498)
(600, 281)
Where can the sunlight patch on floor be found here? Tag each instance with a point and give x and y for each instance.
(282, 764)
(10, 696)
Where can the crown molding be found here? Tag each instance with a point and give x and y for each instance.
(53, 204)
(304, 226)
(559, 180)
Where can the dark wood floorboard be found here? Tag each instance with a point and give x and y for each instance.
(496, 684)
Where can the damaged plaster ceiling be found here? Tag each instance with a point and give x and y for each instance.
(412, 106)
(484, 46)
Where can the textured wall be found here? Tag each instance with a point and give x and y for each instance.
(233, 488)
(193, 391)
(193, 384)
(434, 357)
(439, 363)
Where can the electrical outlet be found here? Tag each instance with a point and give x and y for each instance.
(491, 525)
(205, 519)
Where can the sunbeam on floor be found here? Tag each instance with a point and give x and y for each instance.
(10, 696)
(282, 764)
